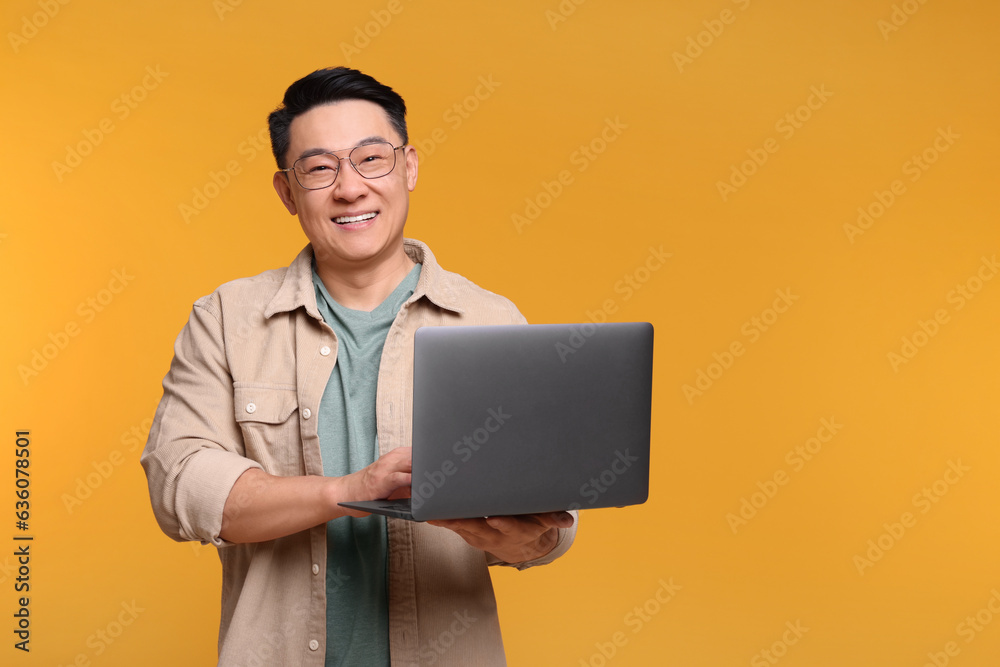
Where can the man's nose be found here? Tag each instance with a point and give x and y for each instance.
(349, 184)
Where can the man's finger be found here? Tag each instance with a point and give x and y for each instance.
(503, 524)
(557, 519)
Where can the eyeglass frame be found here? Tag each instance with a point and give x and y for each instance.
(348, 158)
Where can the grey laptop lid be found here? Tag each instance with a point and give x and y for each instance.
(523, 419)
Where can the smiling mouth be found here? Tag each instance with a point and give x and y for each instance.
(348, 219)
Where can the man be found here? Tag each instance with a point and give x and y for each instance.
(291, 391)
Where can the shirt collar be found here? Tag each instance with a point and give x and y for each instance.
(297, 289)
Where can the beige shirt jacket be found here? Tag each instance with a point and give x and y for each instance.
(243, 391)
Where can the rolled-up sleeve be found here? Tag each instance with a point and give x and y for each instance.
(195, 451)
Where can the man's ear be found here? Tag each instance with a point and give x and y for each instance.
(411, 157)
(284, 190)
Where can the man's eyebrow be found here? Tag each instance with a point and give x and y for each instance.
(309, 152)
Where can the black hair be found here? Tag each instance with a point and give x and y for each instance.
(326, 86)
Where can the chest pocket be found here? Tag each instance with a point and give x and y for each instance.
(268, 419)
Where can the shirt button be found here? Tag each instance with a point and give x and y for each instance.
(251, 408)
(325, 350)
(313, 645)
(315, 568)
(307, 413)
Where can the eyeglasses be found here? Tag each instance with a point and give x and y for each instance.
(315, 172)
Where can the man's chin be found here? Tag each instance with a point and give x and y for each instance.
(357, 251)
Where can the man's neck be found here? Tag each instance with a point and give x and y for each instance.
(364, 286)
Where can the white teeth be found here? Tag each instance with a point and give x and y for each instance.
(344, 219)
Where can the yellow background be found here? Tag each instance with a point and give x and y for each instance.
(556, 84)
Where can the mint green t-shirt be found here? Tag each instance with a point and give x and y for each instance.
(357, 608)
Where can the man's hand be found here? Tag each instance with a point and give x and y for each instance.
(264, 507)
(387, 477)
(512, 539)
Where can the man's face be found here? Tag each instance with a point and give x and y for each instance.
(383, 202)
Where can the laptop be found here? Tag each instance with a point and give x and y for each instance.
(524, 419)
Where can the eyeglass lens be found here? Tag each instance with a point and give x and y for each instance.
(320, 171)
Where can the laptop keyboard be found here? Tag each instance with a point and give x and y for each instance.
(401, 505)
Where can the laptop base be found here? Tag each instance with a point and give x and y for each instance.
(397, 509)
